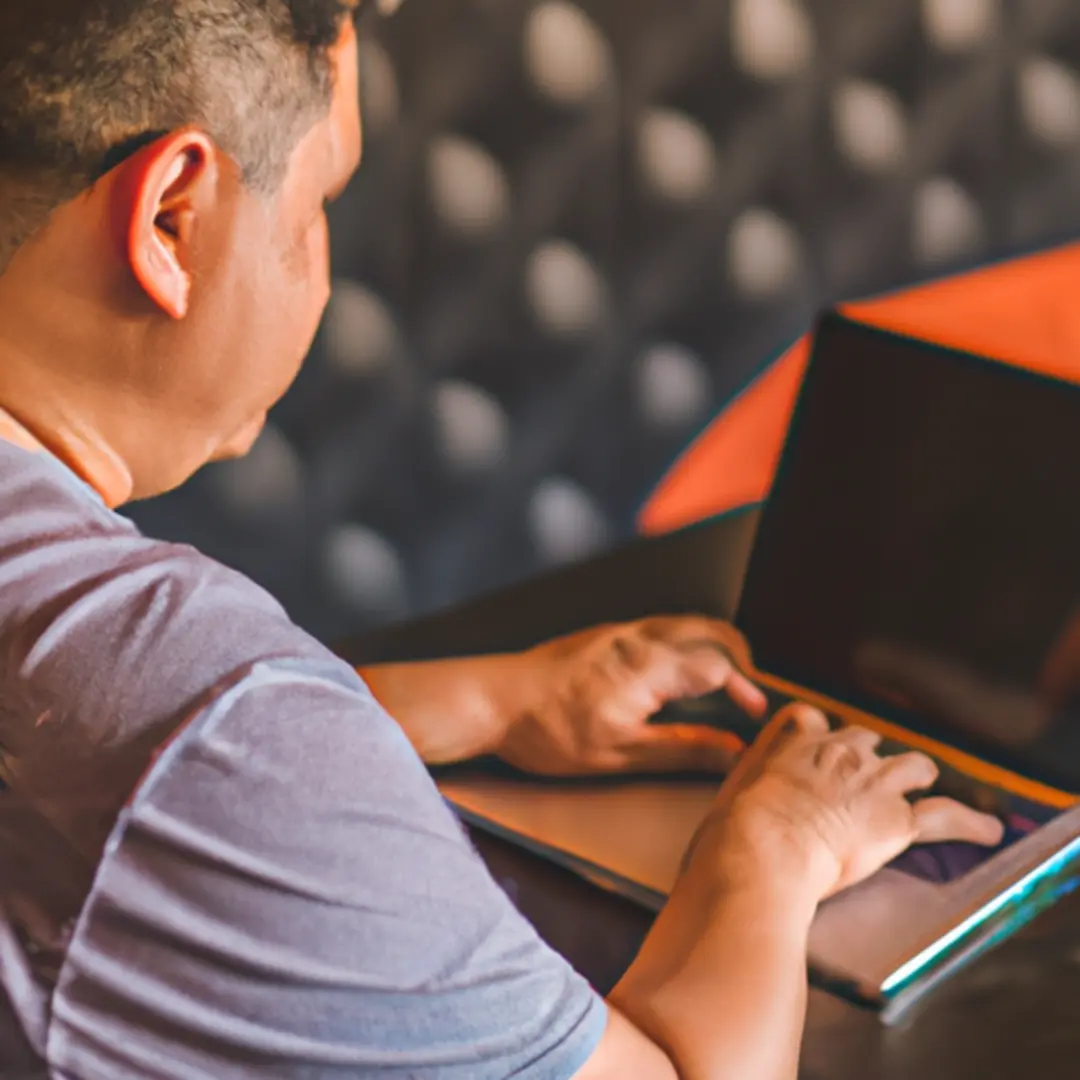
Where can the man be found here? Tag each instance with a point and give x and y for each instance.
(219, 856)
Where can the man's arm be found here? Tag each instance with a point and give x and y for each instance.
(286, 894)
(578, 704)
(719, 988)
(451, 710)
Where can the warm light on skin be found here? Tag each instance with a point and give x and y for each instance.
(13, 432)
(171, 353)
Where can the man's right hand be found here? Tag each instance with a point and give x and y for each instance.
(822, 810)
(719, 987)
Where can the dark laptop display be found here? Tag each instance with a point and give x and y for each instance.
(919, 554)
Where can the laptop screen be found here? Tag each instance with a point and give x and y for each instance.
(919, 554)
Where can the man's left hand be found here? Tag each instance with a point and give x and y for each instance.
(577, 705)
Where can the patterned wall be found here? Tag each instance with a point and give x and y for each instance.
(578, 230)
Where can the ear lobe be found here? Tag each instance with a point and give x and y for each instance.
(165, 183)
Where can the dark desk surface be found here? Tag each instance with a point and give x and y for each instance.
(1012, 1015)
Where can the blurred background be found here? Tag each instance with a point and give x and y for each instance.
(580, 228)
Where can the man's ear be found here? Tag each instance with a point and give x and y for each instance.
(168, 183)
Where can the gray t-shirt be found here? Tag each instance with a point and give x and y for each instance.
(219, 857)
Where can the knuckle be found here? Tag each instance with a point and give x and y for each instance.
(707, 667)
(840, 758)
(791, 711)
(654, 628)
(614, 717)
(630, 651)
(806, 719)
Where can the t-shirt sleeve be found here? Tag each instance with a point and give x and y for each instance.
(286, 895)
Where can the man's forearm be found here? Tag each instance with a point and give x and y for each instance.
(720, 984)
(451, 710)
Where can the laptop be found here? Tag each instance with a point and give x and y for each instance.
(916, 570)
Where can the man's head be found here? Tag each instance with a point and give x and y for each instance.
(164, 165)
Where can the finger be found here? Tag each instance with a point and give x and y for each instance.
(749, 697)
(679, 628)
(672, 675)
(839, 757)
(711, 642)
(688, 631)
(802, 718)
(908, 772)
(862, 740)
(636, 677)
(751, 763)
(719, 672)
(684, 748)
(790, 722)
(938, 820)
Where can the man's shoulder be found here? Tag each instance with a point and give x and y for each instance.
(59, 543)
(55, 532)
(38, 494)
(109, 639)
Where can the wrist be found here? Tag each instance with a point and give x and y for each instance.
(747, 850)
(497, 689)
(725, 960)
(753, 891)
(514, 683)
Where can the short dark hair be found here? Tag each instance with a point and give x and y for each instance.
(83, 83)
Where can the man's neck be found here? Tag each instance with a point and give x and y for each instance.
(13, 432)
(86, 456)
